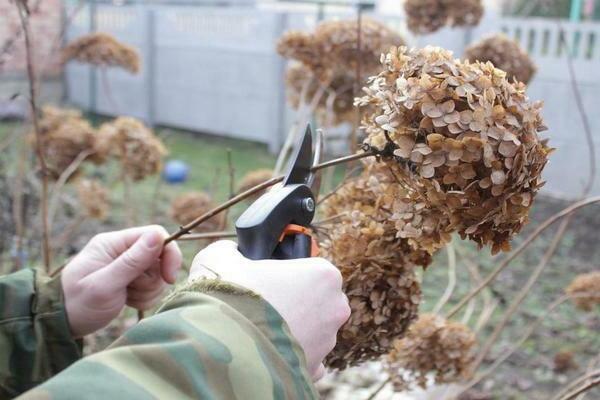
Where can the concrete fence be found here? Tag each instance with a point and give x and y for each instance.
(215, 70)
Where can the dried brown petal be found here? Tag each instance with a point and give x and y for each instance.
(432, 346)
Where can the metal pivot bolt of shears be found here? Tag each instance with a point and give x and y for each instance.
(277, 225)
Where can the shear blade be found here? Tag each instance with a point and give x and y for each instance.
(299, 171)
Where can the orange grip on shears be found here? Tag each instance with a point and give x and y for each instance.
(293, 229)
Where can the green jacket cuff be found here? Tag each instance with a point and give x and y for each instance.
(35, 337)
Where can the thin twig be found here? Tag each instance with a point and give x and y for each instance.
(338, 187)
(581, 109)
(528, 331)
(207, 235)
(522, 293)
(578, 381)
(582, 389)
(231, 187)
(24, 17)
(541, 228)
(10, 43)
(244, 195)
(62, 180)
(451, 279)
(378, 389)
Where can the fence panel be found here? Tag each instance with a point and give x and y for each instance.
(217, 71)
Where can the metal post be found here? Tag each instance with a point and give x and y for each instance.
(575, 14)
(150, 67)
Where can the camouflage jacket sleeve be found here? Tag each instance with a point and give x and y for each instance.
(210, 340)
(35, 341)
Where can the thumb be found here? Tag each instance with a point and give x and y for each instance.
(216, 258)
(132, 263)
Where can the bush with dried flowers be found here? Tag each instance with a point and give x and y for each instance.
(138, 149)
(102, 49)
(465, 139)
(587, 289)
(332, 48)
(64, 136)
(504, 53)
(432, 346)
(254, 178)
(189, 206)
(376, 245)
(94, 197)
(427, 16)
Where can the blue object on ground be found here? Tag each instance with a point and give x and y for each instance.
(175, 171)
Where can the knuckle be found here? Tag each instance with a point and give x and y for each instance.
(129, 260)
(159, 228)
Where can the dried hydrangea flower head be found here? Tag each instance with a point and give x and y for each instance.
(504, 53)
(101, 49)
(254, 178)
(94, 198)
(337, 102)
(427, 16)
(433, 347)
(138, 149)
(332, 48)
(189, 206)
(564, 361)
(466, 139)
(587, 289)
(64, 136)
(377, 261)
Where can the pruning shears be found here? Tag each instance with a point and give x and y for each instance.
(277, 224)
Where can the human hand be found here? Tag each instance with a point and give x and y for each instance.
(117, 268)
(307, 292)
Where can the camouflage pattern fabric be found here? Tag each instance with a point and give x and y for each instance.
(211, 340)
(35, 341)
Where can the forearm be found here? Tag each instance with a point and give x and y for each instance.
(35, 340)
(210, 340)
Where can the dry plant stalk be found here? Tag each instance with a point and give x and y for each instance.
(433, 346)
(504, 53)
(65, 134)
(138, 149)
(522, 247)
(585, 283)
(464, 138)
(102, 49)
(188, 205)
(427, 16)
(94, 198)
(253, 178)
(24, 14)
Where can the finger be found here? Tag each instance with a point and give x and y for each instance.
(170, 264)
(149, 280)
(132, 263)
(319, 373)
(215, 258)
(116, 243)
(146, 295)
